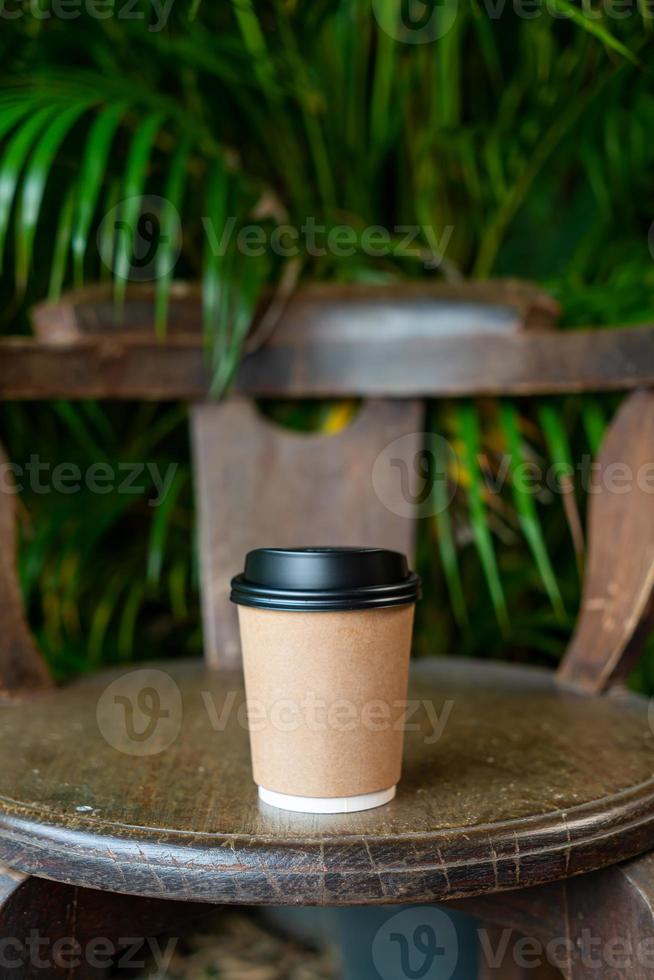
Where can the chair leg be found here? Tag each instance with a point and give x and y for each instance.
(610, 917)
(598, 926)
(60, 931)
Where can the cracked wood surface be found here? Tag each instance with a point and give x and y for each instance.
(529, 782)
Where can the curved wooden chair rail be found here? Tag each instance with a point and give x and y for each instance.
(401, 341)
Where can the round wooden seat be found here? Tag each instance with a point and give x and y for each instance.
(140, 783)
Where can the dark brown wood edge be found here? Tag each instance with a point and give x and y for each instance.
(520, 365)
(510, 305)
(347, 870)
(617, 610)
(22, 669)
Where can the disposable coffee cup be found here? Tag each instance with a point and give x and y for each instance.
(326, 640)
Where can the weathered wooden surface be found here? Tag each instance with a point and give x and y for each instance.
(521, 365)
(472, 339)
(617, 608)
(21, 666)
(528, 783)
(66, 933)
(260, 484)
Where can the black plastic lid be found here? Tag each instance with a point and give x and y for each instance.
(324, 579)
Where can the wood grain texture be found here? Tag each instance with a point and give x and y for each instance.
(259, 485)
(66, 933)
(22, 668)
(617, 609)
(530, 782)
(399, 341)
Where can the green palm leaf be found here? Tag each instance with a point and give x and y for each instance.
(160, 527)
(12, 163)
(382, 87)
(471, 441)
(34, 181)
(11, 113)
(255, 43)
(92, 173)
(102, 617)
(445, 532)
(62, 243)
(213, 281)
(526, 509)
(108, 231)
(561, 455)
(245, 293)
(128, 618)
(173, 196)
(588, 23)
(594, 423)
(136, 171)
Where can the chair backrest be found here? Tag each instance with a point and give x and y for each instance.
(259, 484)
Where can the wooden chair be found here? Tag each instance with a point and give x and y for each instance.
(532, 808)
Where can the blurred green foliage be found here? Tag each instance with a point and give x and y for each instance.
(526, 140)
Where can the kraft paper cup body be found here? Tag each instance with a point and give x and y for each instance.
(326, 696)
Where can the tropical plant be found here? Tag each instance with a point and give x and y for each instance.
(517, 145)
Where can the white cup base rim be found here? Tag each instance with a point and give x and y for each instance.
(326, 804)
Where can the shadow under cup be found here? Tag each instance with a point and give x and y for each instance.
(326, 639)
